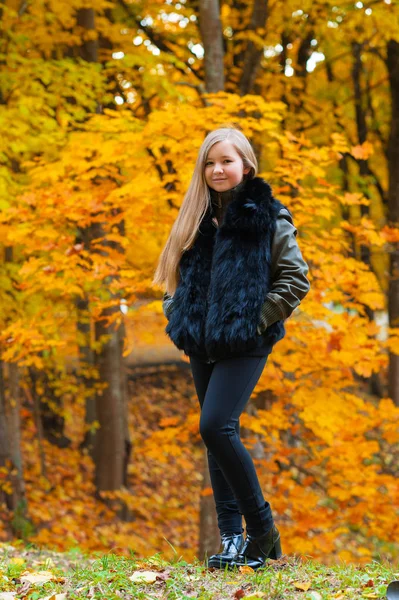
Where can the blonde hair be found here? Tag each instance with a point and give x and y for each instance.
(195, 205)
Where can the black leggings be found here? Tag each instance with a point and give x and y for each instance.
(223, 390)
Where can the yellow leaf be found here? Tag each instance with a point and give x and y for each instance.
(17, 560)
(392, 344)
(304, 586)
(353, 199)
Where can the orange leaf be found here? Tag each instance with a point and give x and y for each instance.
(207, 491)
(246, 569)
(362, 151)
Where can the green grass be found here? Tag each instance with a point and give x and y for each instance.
(76, 575)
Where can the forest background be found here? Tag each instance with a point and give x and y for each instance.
(103, 106)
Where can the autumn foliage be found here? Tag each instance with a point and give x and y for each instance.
(97, 156)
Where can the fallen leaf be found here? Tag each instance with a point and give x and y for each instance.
(246, 569)
(144, 576)
(255, 596)
(37, 578)
(304, 586)
(7, 596)
(23, 588)
(55, 597)
(314, 596)
(239, 594)
(17, 560)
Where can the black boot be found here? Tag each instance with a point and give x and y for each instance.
(257, 549)
(232, 545)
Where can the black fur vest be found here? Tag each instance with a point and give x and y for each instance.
(225, 277)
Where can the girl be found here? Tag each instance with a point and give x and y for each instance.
(233, 272)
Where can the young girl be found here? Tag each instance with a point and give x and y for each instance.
(233, 272)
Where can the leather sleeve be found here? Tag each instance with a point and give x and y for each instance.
(288, 272)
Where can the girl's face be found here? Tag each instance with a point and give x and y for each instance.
(224, 168)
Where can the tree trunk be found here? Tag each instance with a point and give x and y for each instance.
(212, 40)
(253, 53)
(10, 439)
(375, 384)
(86, 364)
(393, 212)
(111, 444)
(20, 523)
(88, 50)
(6, 495)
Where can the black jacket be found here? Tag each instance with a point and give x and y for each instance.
(239, 282)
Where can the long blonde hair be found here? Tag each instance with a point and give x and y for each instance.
(195, 204)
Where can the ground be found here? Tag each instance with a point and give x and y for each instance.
(42, 574)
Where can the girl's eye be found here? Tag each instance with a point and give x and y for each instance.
(226, 160)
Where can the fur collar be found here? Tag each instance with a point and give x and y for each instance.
(250, 211)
